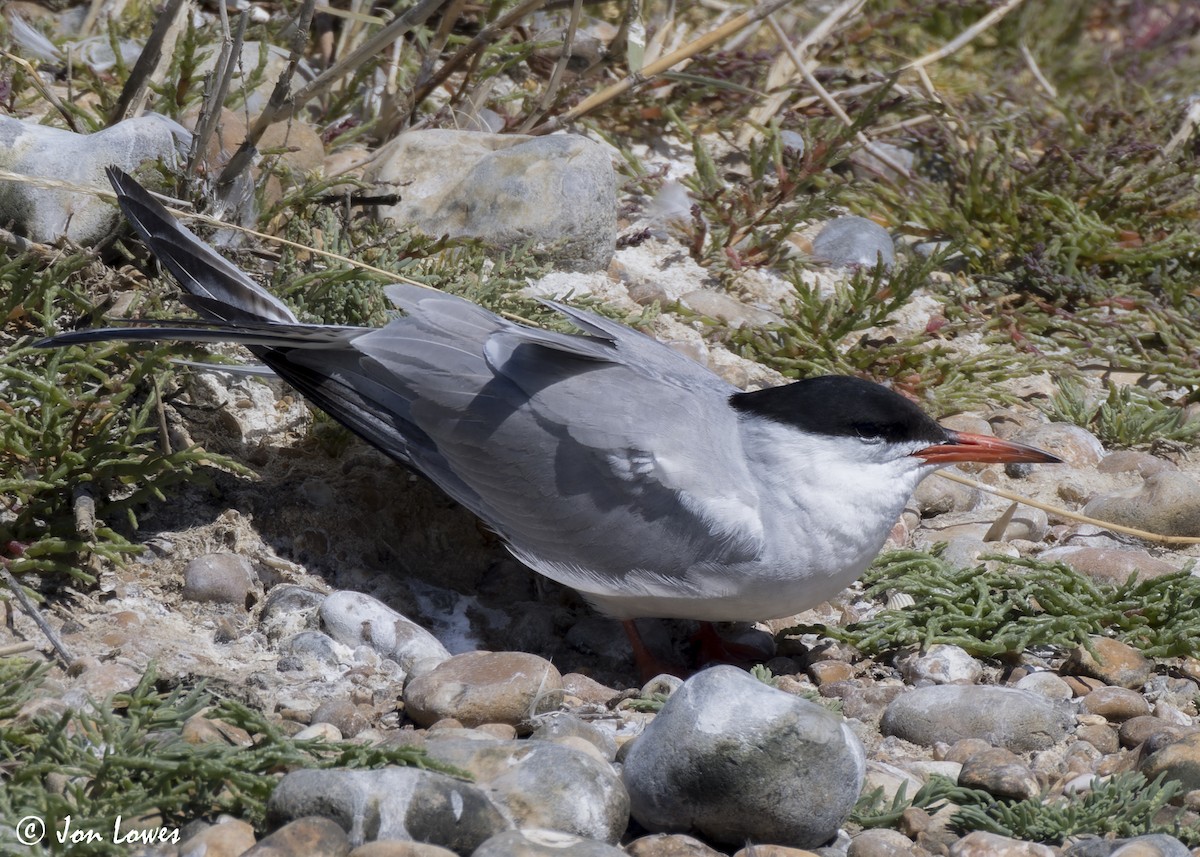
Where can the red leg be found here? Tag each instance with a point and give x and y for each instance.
(648, 664)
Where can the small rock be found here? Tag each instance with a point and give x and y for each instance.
(288, 610)
(46, 215)
(348, 718)
(772, 851)
(1100, 736)
(867, 165)
(531, 842)
(1076, 446)
(1047, 684)
(981, 844)
(564, 725)
(999, 772)
(1115, 704)
(1109, 565)
(326, 732)
(880, 843)
(390, 803)
(891, 779)
(1114, 663)
(587, 689)
(312, 836)
(940, 496)
(399, 848)
(1138, 730)
(1005, 717)
(827, 672)
(669, 845)
(353, 619)
(310, 646)
(1130, 460)
(542, 785)
(485, 687)
(1166, 503)
(219, 578)
(227, 838)
(848, 241)
(1178, 760)
(941, 664)
(557, 192)
(734, 759)
(198, 729)
(728, 309)
(1151, 845)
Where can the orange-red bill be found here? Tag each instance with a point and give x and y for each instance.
(981, 448)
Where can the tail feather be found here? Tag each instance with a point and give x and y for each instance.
(198, 268)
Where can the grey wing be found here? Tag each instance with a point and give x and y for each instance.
(593, 457)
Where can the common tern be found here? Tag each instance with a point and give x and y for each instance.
(606, 460)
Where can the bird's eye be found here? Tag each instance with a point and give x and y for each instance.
(869, 433)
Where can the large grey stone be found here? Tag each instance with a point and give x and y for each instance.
(49, 214)
(1004, 717)
(557, 193)
(732, 760)
(355, 619)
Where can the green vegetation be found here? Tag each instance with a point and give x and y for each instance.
(128, 758)
(1128, 416)
(1008, 605)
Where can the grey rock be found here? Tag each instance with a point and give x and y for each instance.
(308, 646)
(1002, 716)
(47, 215)
(544, 843)
(793, 142)
(260, 64)
(848, 241)
(563, 725)
(485, 687)
(880, 843)
(941, 664)
(1151, 845)
(983, 844)
(732, 759)
(999, 772)
(391, 803)
(867, 165)
(1109, 564)
(1167, 503)
(354, 619)
(939, 496)
(1047, 684)
(557, 193)
(728, 309)
(1074, 445)
(220, 578)
(541, 784)
(669, 845)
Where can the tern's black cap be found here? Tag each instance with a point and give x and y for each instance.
(842, 406)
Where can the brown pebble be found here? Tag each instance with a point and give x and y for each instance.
(826, 672)
(1114, 663)
(1137, 730)
(226, 839)
(485, 687)
(999, 772)
(398, 848)
(503, 731)
(1082, 685)
(669, 845)
(311, 836)
(772, 851)
(588, 689)
(965, 748)
(982, 844)
(913, 822)
(198, 729)
(1100, 736)
(350, 719)
(1115, 704)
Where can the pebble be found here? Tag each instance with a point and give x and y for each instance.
(312, 836)
(941, 664)
(850, 240)
(669, 845)
(982, 844)
(941, 496)
(531, 842)
(1047, 684)
(1137, 730)
(199, 729)
(289, 609)
(540, 784)
(308, 648)
(1151, 845)
(47, 215)
(485, 687)
(1131, 460)
(390, 803)
(1076, 446)
(1114, 663)
(1005, 717)
(1100, 736)
(219, 578)
(557, 193)
(1000, 773)
(880, 843)
(827, 672)
(354, 619)
(772, 851)
(1177, 760)
(563, 725)
(891, 779)
(97, 680)
(349, 719)
(1115, 704)
(587, 689)
(1167, 503)
(229, 837)
(399, 848)
(326, 732)
(733, 759)
(1111, 565)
